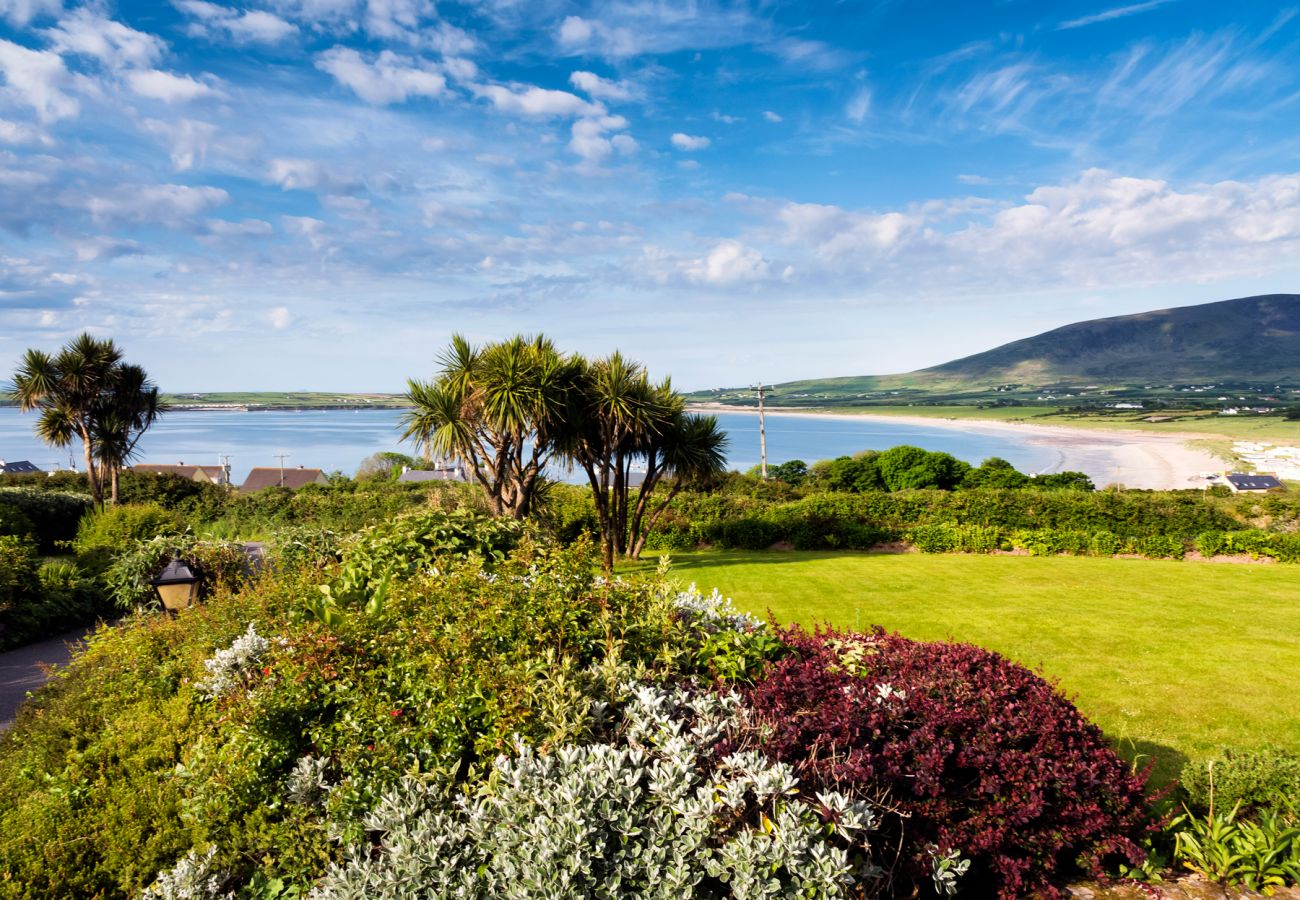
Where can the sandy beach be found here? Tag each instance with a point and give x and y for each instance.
(1137, 459)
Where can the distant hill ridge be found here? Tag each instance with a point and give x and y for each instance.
(1251, 340)
(1248, 339)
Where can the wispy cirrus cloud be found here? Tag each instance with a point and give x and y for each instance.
(1118, 12)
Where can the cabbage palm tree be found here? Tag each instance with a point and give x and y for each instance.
(127, 410)
(501, 409)
(68, 388)
(690, 449)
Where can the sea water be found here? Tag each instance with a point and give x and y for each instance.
(338, 440)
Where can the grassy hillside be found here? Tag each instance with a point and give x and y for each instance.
(1252, 339)
(1246, 348)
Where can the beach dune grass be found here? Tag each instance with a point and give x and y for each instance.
(1174, 660)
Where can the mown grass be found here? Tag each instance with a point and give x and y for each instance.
(1174, 660)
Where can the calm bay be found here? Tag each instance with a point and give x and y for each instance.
(338, 440)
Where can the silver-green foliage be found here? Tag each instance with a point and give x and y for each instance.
(231, 667)
(647, 813)
(195, 877)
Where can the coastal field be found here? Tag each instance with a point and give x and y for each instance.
(1174, 660)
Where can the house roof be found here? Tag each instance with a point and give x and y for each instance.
(1253, 482)
(212, 473)
(413, 476)
(272, 476)
(17, 467)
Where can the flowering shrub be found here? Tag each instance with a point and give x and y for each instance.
(645, 813)
(976, 754)
(728, 644)
(231, 667)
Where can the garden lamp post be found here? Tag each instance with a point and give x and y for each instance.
(177, 585)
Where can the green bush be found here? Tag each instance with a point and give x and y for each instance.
(129, 761)
(41, 600)
(55, 514)
(103, 535)
(15, 523)
(18, 566)
(1225, 846)
(220, 566)
(1258, 780)
(1211, 543)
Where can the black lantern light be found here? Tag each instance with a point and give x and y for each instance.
(177, 585)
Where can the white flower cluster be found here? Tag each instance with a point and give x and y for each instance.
(714, 612)
(646, 814)
(229, 668)
(193, 878)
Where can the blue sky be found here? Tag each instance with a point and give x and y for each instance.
(314, 194)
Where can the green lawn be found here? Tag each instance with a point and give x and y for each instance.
(1172, 659)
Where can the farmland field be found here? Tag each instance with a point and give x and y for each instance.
(1171, 659)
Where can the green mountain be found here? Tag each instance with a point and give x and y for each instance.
(1250, 339)
(1253, 340)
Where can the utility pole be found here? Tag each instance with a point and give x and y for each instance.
(762, 431)
(282, 457)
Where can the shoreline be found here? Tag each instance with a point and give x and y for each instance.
(1137, 459)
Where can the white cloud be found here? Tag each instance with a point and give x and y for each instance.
(165, 204)
(88, 33)
(390, 78)
(1117, 13)
(528, 100)
(689, 143)
(18, 133)
(858, 107)
(159, 85)
(36, 78)
(396, 19)
(729, 262)
(575, 31)
(20, 12)
(189, 139)
(601, 88)
(449, 40)
(279, 317)
(242, 228)
(105, 247)
(590, 142)
(248, 26)
(771, 116)
(296, 174)
(815, 55)
(974, 179)
(1099, 230)
(629, 29)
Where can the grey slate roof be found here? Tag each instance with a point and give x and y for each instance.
(17, 467)
(415, 476)
(1242, 482)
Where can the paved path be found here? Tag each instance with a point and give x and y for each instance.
(20, 670)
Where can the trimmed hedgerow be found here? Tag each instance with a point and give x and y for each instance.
(975, 754)
(54, 515)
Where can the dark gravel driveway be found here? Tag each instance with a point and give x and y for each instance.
(20, 670)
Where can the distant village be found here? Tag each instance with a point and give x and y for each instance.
(260, 477)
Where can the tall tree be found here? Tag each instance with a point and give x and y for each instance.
(86, 392)
(625, 422)
(127, 410)
(502, 409)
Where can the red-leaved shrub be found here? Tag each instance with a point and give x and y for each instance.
(974, 753)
